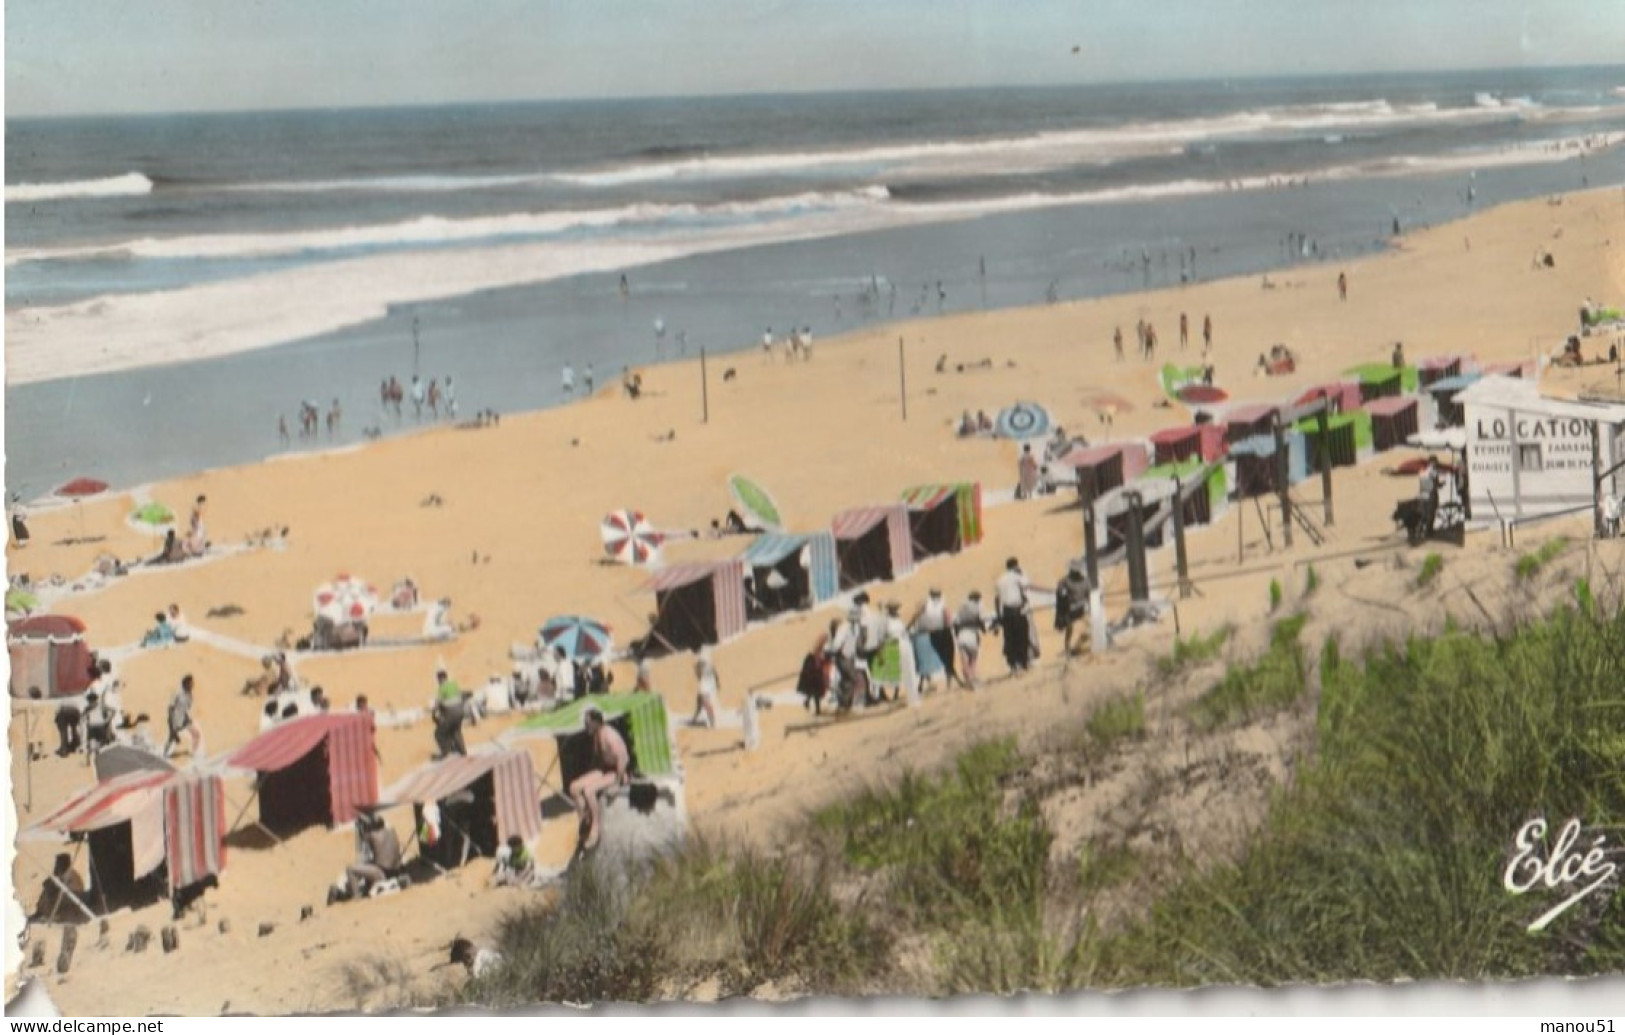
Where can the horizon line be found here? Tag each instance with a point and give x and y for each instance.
(771, 93)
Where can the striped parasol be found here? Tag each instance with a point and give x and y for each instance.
(580, 637)
(629, 538)
(345, 599)
(756, 503)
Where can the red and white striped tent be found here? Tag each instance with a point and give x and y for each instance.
(319, 769)
(873, 544)
(1174, 445)
(698, 604)
(502, 786)
(139, 821)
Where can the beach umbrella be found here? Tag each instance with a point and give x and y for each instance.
(579, 636)
(1202, 394)
(345, 599)
(756, 503)
(1023, 420)
(629, 538)
(81, 487)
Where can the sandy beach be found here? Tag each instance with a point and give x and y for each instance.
(514, 540)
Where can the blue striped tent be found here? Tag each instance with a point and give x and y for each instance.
(804, 587)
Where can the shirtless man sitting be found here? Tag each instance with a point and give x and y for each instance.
(610, 769)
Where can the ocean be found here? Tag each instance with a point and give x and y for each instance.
(317, 252)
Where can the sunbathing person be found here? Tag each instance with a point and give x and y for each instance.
(160, 635)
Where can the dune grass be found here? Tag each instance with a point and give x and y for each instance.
(1268, 684)
(1530, 564)
(1121, 718)
(1194, 650)
(1432, 565)
(1381, 860)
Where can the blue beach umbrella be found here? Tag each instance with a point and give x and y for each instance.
(580, 637)
(1023, 420)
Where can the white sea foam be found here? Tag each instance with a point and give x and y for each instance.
(129, 184)
(209, 320)
(1036, 151)
(428, 231)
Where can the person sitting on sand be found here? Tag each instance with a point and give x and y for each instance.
(177, 624)
(515, 866)
(478, 961)
(610, 768)
(967, 425)
(984, 423)
(53, 904)
(174, 550)
(160, 635)
(438, 625)
(378, 859)
(405, 595)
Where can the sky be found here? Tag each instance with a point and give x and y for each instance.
(72, 57)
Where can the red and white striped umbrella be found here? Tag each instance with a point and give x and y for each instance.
(629, 538)
(346, 599)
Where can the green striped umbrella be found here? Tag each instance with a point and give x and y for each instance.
(756, 503)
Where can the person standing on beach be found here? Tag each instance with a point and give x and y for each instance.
(707, 688)
(1150, 343)
(1342, 287)
(969, 625)
(417, 396)
(767, 345)
(1184, 331)
(567, 381)
(1010, 594)
(586, 379)
(1207, 332)
(451, 399)
(181, 721)
(1117, 342)
(282, 428)
(1071, 602)
(334, 416)
(933, 621)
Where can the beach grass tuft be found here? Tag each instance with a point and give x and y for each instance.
(1530, 564)
(1272, 682)
(1194, 650)
(1432, 565)
(1122, 718)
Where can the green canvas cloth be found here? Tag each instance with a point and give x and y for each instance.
(886, 667)
(1218, 488)
(646, 712)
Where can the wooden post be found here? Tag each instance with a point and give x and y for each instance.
(705, 391)
(1091, 552)
(1324, 456)
(1180, 561)
(902, 379)
(1596, 481)
(1283, 481)
(1241, 516)
(1139, 582)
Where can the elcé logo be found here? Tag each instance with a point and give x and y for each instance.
(1564, 868)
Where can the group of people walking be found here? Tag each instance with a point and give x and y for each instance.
(874, 653)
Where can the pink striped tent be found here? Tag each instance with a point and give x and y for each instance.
(1174, 445)
(136, 822)
(1345, 395)
(1104, 467)
(698, 604)
(319, 769)
(873, 544)
(483, 800)
(1245, 422)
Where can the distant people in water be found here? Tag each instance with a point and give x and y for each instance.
(567, 380)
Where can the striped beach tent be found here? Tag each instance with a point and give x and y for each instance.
(944, 517)
(1105, 467)
(873, 544)
(640, 718)
(483, 798)
(698, 604)
(1202, 441)
(319, 769)
(48, 654)
(791, 572)
(1392, 421)
(137, 822)
(1245, 422)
